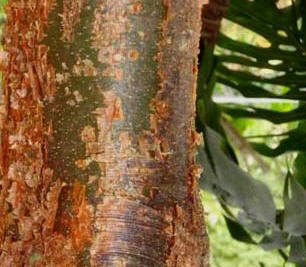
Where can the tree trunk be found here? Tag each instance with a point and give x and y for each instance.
(98, 142)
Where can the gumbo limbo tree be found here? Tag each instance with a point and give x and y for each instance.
(98, 139)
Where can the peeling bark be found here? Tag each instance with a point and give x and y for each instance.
(98, 141)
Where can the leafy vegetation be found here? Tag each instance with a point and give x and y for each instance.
(270, 65)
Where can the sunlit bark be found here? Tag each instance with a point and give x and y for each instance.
(98, 140)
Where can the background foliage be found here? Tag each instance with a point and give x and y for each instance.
(260, 65)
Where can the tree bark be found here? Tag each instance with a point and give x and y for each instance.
(98, 138)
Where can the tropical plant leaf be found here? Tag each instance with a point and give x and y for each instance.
(296, 141)
(295, 202)
(276, 70)
(276, 240)
(297, 251)
(300, 169)
(224, 177)
(272, 116)
(238, 232)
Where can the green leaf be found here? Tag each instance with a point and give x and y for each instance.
(297, 251)
(256, 72)
(276, 240)
(232, 184)
(287, 79)
(238, 232)
(300, 169)
(262, 10)
(295, 203)
(263, 54)
(272, 116)
(296, 141)
(249, 90)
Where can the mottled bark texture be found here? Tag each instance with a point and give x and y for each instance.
(98, 139)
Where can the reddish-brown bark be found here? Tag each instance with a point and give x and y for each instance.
(213, 12)
(98, 141)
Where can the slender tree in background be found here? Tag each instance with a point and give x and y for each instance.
(98, 134)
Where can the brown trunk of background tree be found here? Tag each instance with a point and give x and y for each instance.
(98, 138)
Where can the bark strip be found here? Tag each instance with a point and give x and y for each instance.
(98, 145)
